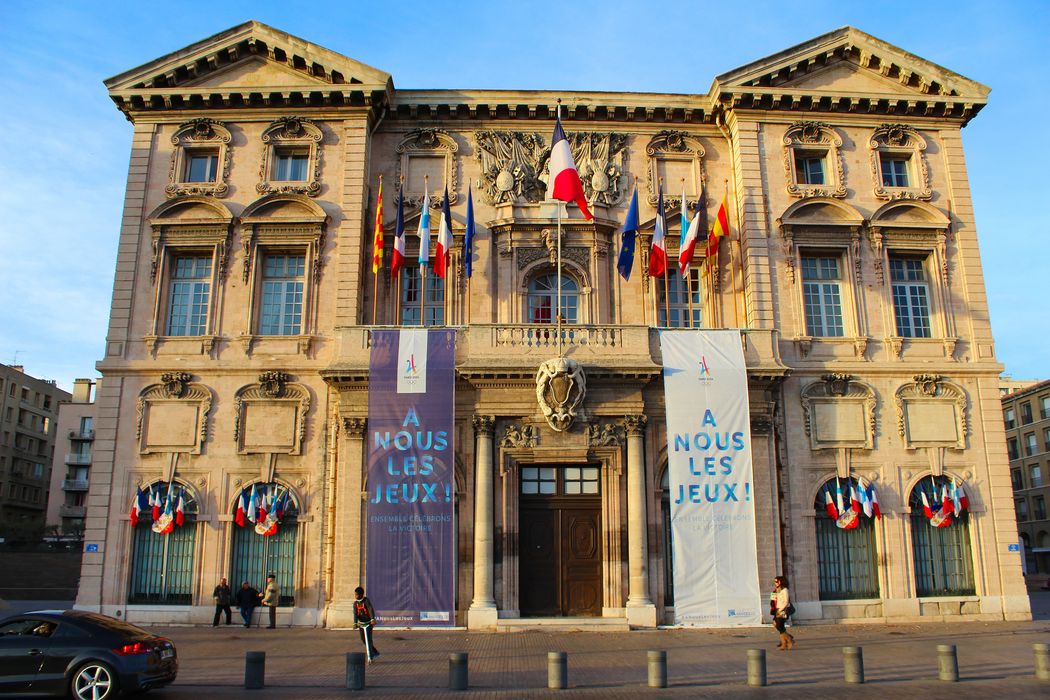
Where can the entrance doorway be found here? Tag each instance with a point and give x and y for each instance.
(560, 542)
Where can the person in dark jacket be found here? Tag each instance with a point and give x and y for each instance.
(365, 620)
(222, 595)
(246, 599)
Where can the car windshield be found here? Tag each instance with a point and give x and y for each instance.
(111, 624)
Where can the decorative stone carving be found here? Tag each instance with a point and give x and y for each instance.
(270, 417)
(815, 137)
(527, 256)
(354, 426)
(427, 143)
(761, 423)
(605, 434)
(520, 436)
(896, 346)
(668, 147)
(173, 416)
(291, 133)
(601, 160)
(483, 425)
(202, 135)
(635, 425)
(839, 412)
(511, 162)
(931, 412)
(903, 141)
(560, 389)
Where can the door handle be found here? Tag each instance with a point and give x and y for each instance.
(36, 652)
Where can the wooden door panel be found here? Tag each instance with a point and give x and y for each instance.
(540, 562)
(581, 561)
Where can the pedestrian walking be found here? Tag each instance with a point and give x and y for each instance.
(364, 621)
(246, 599)
(222, 595)
(271, 596)
(783, 610)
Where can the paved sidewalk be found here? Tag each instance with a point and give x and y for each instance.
(994, 658)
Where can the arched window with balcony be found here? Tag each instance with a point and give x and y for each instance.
(940, 546)
(846, 552)
(162, 549)
(542, 304)
(261, 548)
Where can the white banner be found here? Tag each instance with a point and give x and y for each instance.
(709, 455)
(412, 361)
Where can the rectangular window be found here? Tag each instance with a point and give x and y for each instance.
(538, 481)
(201, 166)
(189, 295)
(1011, 448)
(1010, 418)
(1035, 476)
(87, 424)
(290, 164)
(1029, 445)
(911, 297)
(821, 292)
(1016, 479)
(1026, 413)
(162, 566)
(47, 402)
(1040, 507)
(433, 303)
(809, 168)
(894, 171)
(1044, 410)
(679, 304)
(580, 481)
(1046, 439)
(1021, 506)
(282, 294)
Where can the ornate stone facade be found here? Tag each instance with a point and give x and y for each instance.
(841, 381)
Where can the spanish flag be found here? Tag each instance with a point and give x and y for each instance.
(377, 239)
(719, 230)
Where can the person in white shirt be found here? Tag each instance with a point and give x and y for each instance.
(783, 609)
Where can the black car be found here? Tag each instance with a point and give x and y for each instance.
(82, 654)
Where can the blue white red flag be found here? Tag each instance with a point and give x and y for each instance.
(625, 260)
(565, 184)
(658, 253)
(444, 242)
(424, 233)
(397, 259)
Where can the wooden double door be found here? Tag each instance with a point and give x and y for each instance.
(560, 556)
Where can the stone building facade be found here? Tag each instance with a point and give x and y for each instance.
(1026, 415)
(238, 347)
(71, 467)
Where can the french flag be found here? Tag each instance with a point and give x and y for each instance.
(926, 510)
(424, 236)
(180, 509)
(658, 254)
(136, 507)
(873, 499)
(252, 506)
(854, 500)
(263, 510)
(444, 241)
(829, 505)
(865, 502)
(946, 500)
(169, 525)
(241, 503)
(397, 260)
(565, 184)
(689, 241)
(961, 501)
(154, 501)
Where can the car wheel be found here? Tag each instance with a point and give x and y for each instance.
(94, 681)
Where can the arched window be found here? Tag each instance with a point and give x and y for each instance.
(665, 519)
(162, 562)
(255, 554)
(943, 562)
(846, 558)
(679, 305)
(543, 301)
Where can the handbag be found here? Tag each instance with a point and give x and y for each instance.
(789, 610)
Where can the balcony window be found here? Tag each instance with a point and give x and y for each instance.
(543, 303)
(1026, 413)
(1010, 418)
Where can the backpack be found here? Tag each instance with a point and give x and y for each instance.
(361, 610)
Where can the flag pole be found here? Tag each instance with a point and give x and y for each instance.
(732, 267)
(375, 271)
(686, 270)
(558, 292)
(397, 277)
(423, 267)
(667, 302)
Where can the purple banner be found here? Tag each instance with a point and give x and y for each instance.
(411, 564)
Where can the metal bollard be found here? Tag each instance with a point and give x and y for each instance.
(853, 664)
(557, 669)
(1042, 661)
(457, 671)
(657, 669)
(756, 667)
(947, 663)
(254, 669)
(355, 670)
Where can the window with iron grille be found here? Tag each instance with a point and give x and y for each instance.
(943, 561)
(846, 559)
(256, 556)
(162, 567)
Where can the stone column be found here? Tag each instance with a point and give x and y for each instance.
(482, 613)
(641, 612)
(348, 531)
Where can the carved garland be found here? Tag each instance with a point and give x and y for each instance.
(422, 143)
(291, 132)
(273, 387)
(671, 145)
(904, 141)
(203, 134)
(174, 386)
(814, 136)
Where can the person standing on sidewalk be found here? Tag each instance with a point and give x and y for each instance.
(783, 610)
(271, 596)
(222, 595)
(246, 599)
(365, 620)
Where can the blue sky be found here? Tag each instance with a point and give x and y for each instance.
(65, 149)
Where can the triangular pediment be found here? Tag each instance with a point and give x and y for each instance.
(848, 61)
(249, 55)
